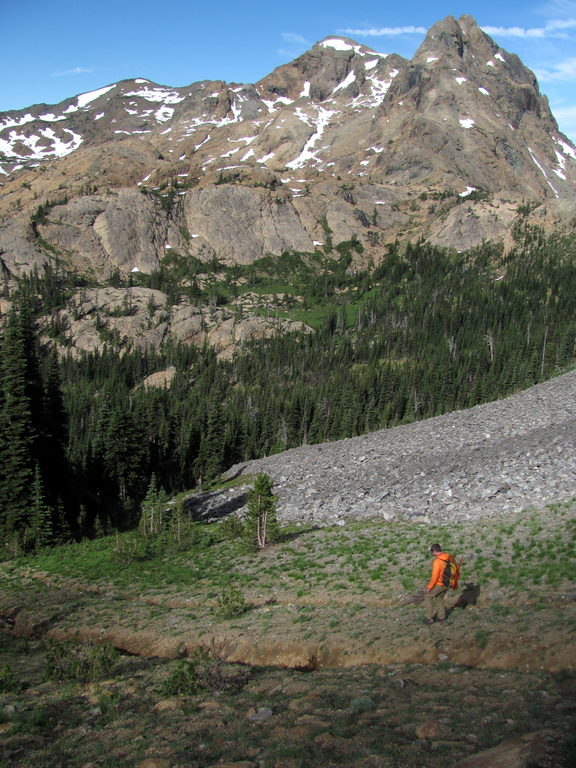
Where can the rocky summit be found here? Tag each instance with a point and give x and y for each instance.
(343, 143)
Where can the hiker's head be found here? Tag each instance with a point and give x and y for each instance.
(435, 549)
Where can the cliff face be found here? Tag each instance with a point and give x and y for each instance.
(341, 143)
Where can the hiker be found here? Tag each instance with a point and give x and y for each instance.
(444, 569)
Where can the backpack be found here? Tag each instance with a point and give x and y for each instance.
(451, 573)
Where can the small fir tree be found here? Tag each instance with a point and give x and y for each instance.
(152, 520)
(40, 528)
(261, 523)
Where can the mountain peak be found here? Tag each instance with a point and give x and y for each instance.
(344, 44)
(321, 69)
(277, 158)
(460, 38)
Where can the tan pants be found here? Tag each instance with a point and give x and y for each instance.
(434, 602)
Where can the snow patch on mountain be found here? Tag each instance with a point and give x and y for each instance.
(164, 114)
(560, 171)
(543, 171)
(378, 90)
(566, 148)
(37, 147)
(158, 94)
(272, 105)
(348, 80)
(308, 155)
(340, 45)
(85, 99)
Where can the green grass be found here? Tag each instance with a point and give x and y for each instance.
(367, 556)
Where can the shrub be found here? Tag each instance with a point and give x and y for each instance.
(361, 705)
(210, 667)
(132, 546)
(232, 527)
(231, 603)
(108, 702)
(182, 681)
(37, 722)
(203, 671)
(8, 681)
(82, 662)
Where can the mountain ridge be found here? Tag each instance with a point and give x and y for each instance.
(462, 119)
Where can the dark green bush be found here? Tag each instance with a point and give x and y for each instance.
(82, 662)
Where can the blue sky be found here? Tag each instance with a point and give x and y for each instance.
(53, 50)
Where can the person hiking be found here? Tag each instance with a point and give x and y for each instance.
(443, 570)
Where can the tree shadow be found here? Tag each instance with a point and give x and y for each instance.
(214, 506)
(292, 535)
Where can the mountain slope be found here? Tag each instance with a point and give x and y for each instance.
(340, 603)
(495, 458)
(342, 141)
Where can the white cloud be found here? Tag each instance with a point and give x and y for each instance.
(292, 37)
(557, 9)
(384, 31)
(73, 71)
(554, 28)
(562, 70)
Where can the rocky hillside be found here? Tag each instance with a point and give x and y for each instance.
(466, 465)
(341, 144)
(315, 648)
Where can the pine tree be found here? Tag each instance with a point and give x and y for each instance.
(209, 462)
(40, 532)
(261, 523)
(54, 437)
(18, 430)
(152, 520)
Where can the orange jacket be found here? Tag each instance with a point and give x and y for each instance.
(438, 567)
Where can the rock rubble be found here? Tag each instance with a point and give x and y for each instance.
(491, 459)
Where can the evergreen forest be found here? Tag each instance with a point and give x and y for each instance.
(424, 332)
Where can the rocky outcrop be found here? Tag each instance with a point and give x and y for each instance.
(120, 231)
(142, 318)
(256, 223)
(488, 460)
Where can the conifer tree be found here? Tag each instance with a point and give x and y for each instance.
(40, 532)
(153, 508)
(18, 430)
(261, 523)
(209, 462)
(54, 437)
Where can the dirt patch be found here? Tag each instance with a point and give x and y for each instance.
(394, 716)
